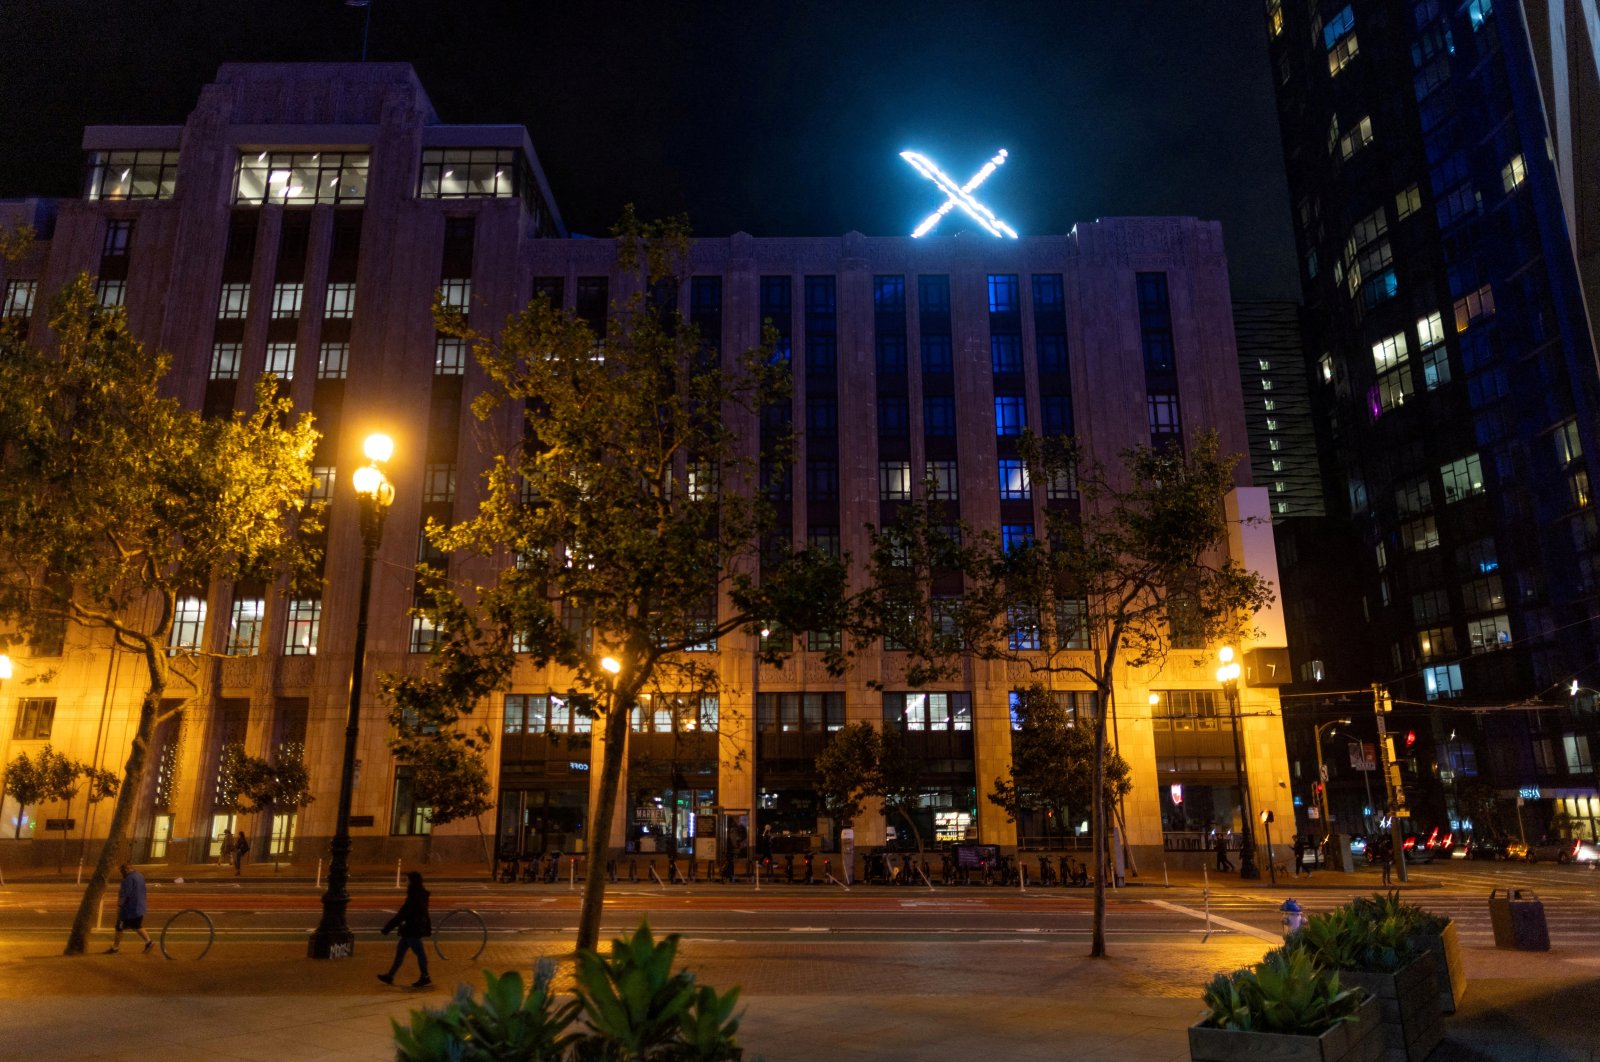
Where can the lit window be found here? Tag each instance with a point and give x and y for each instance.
(1569, 444)
(301, 178)
(1488, 634)
(1277, 465)
(132, 175)
(1356, 139)
(111, 293)
(942, 485)
(1014, 483)
(19, 298)
(424, 634)
(1269, 404)
(1063, 484)
(1513, 173)
(1443, 682)
(1462, 478)
(333, 360)
(341, 301)
(280, 360)
(323, 478)
(1272, 424)
(1022, 627)
(287, 298)
(1163, 414)
(1436, 642)
(119, 238)
(1420, 535)
(1389, 352)
(1325, 363)
(456, 293)
(1390, 392)
(1340, 55)
(244, 626)
(894, 481)
(439, 483)
(1341, 23)
(1472, 306)
(235, 302)
(449, 356)
(463, 173)
(304, 624)
(1478, 11)
(1263, 364)
(1407, 202)
(1015, 536)
(188, 625)
(225, 360)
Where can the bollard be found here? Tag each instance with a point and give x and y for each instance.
(758, 877)
(100, 919)
(1205, 877)
(1165, 884)
(319, 873)
(397, 873)
(572, 874)
(80, 870)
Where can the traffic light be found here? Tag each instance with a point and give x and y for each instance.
(1411, 739)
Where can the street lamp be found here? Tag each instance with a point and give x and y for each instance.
(332, 938)
(1228, 676)
(1322, 772)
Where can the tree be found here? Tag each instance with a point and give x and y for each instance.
(252, 785)
(1141, 556)
(860, 762)
(1052, 762)
(44, 778)
(625, 506)
(114, 500)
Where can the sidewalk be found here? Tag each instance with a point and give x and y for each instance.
(805, 1000)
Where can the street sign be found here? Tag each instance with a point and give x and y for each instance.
(1323, 767)
(1314, 812)
(1363, 756)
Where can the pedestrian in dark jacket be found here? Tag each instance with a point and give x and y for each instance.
(1223, 862)
(241, 848)
(131, 908)
(414, 924)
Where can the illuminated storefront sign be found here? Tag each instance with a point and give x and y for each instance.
(959, 196)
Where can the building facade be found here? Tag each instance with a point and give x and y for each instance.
(301, 222)
(1454, 368)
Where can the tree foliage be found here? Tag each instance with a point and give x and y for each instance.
(43, 778)
(1103, 586)
(251, 784)
(861, 762)
(1052, 762)
(623, 510)
(115, 500)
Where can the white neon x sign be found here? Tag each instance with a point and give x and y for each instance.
(959, 196)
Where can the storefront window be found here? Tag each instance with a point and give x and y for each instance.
(663, 820)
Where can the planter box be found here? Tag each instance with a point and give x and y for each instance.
(1451, 967)
(1357, 1041)
(1408, 1000)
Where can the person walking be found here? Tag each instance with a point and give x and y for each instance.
(1223, 862)
(241, 848)
(414, 924)
(228, 845)
(131, 907)
(1300, 854)
(1386, 857)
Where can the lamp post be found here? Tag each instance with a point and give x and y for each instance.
(1228, 676)
(1322, 772)
(333, 938)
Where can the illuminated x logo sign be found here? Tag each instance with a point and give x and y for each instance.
(959, 196)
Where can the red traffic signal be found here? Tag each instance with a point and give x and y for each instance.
(1411, 739)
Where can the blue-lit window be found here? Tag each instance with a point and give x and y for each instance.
(933, 294)
(1003, 293)
(936, 355)
(939, 416)
(1015, 536)
(1338, 26)
(1478, 11)
(1048, 293)
(1010, 414)
(1164, 416)
(822, 354)
(822, 415)
(1005, 352)
(889, 294)
(1014, 483)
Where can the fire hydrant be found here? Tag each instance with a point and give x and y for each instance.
(1293, 916)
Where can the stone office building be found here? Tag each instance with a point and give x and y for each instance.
(300, 223)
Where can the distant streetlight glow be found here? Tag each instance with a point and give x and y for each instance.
(378, 447)
(610, 664)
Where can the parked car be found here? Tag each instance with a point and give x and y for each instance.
(1564, 850)
(1515, 849)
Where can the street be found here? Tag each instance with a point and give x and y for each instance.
(872, 972)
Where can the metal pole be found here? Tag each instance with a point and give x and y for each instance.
(333, 938)
(1247, 846)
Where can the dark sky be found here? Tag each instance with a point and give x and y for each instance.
(774, 118)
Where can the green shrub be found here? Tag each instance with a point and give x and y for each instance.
(1284, 993)
(633, 1008)
(504, 1024)
(1379, 935)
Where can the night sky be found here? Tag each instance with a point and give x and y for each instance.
(778, 119)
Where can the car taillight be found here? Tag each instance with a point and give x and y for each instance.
(1577, 843)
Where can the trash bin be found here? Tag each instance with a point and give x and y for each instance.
(1518, 920)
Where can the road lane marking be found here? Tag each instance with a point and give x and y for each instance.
(1238, 927)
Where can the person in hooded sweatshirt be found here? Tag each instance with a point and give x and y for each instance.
(414, 924)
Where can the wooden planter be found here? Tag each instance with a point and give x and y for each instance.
(1408, 999)
(1357, 1041)
(1450, 966)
